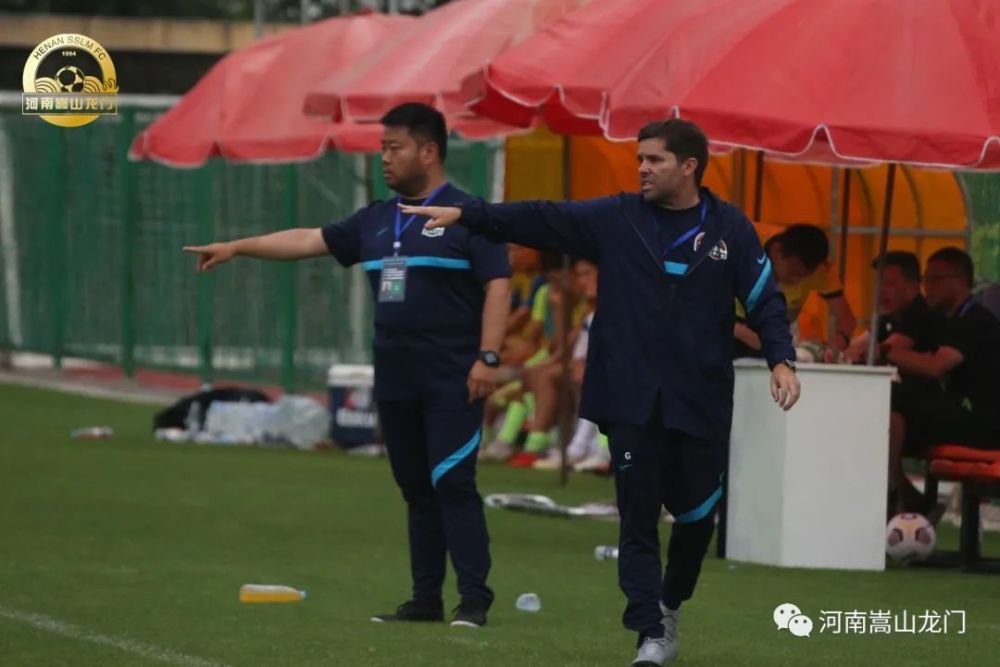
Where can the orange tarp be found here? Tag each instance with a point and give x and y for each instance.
(925, 200)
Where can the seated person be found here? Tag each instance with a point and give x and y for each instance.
(967, 366)
(906, 322)
(541, 337)
(799, 261)
(586, 439)
(519, 342)
(543, 374)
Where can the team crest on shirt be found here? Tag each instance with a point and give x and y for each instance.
(432, 233)
(719, 253)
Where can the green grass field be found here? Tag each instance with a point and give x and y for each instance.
(130, 552)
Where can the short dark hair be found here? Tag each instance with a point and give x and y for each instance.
(907, 262)
(682, 138)
(958, 260)
(807, 242)
(424, 123)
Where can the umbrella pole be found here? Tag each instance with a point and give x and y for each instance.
(845, 214)
(758, 186)
(565, 391)
(890, 184)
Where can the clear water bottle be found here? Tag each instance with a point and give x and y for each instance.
(528, 602)
(606, 552)
(92, 433)
(193, 420)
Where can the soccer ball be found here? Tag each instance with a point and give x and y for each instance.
(70, 79)
(909, 537)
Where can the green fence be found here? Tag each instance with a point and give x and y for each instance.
(91, 263)
(983, 196)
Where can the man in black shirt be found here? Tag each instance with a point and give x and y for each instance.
(966, 364)
(909, 323)
(906, 321)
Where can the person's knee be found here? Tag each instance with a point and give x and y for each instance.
(695, 536)
(457, 489)
(416, 488)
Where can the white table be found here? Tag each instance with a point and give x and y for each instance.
(807, 488)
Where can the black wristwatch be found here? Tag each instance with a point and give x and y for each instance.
(490, 358)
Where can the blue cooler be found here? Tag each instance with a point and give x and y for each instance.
(353, 417)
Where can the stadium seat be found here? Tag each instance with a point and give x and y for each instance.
(978, 473)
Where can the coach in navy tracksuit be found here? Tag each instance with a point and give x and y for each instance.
(441, 304)
(659, 377)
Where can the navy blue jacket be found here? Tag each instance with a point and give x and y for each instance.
(661, 328)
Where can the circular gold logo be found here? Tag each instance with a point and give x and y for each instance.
(69, 80)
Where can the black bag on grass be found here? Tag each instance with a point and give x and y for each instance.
(176, 415)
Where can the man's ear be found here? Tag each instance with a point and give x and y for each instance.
(429, 153)
(690, 166)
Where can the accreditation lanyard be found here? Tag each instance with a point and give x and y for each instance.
(683, 238)
(402, 227)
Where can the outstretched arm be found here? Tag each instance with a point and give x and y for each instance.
(567, 227)
(287, 244)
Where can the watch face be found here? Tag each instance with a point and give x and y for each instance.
(490, 358)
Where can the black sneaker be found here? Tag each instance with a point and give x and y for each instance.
(431, 611)
(470, 614)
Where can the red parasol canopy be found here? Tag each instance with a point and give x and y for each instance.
(831, 80)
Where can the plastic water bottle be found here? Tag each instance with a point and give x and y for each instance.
(92, 433)
(605, 552)
(193, 420)
(528, 602)
(270, 593)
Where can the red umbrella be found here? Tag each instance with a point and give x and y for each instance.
(912, 82)
(427, 61)
(249, 105)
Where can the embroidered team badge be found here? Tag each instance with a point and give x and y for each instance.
(432, 233)
(719, 253)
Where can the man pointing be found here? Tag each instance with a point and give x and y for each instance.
(659, 378)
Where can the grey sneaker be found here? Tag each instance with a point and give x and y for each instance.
(671, 619)
(654, 652)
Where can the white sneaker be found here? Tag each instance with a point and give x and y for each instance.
(373, 450)
(654, 652)
(552, 461)
(599, 463)
(498, 450)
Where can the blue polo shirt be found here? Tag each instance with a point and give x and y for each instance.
(433, 335)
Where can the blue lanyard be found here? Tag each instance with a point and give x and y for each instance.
(689, 233)
(402, 228)
(965, 307)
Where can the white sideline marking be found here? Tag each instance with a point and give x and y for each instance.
(55, 626)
